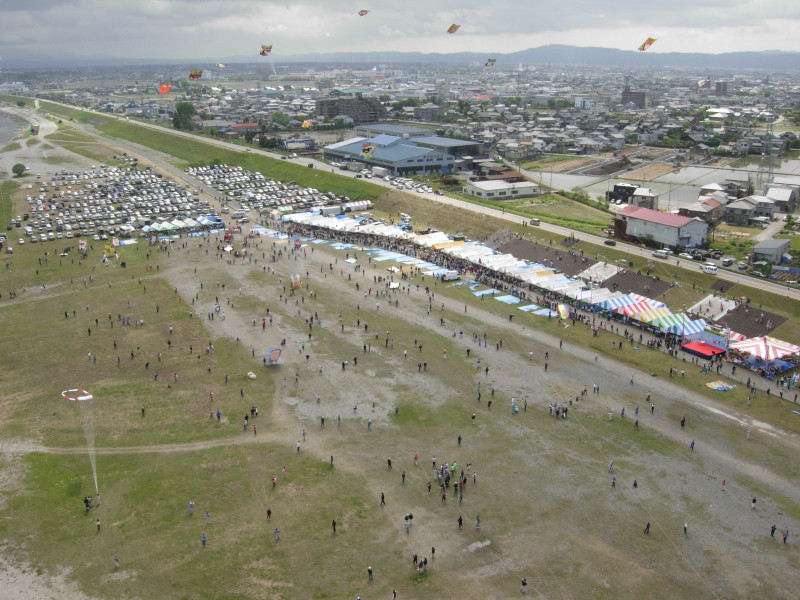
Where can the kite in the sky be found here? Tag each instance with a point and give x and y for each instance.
(362, 13)
(33, 130)
(366, 151)
(647, 43)
(165, 88)
(307, 123)
(221, 65)
(490, 62)
(453, 28)
(195, 74)
(265, 50)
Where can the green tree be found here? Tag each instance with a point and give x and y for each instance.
(269, 142)
(182, 116)
(21, 103)
(18, 169)
(248, 136)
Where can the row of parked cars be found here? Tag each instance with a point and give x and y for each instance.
(102, 202)
(256, 192)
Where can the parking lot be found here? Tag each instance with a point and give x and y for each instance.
(104, 202)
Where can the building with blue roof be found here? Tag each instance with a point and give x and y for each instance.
(400, 156)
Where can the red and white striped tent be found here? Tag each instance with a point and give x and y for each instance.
(766, 348)
(631, 309)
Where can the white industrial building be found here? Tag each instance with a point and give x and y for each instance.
(501, 190)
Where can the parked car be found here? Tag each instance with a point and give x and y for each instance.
(610, 243)
(686, 255)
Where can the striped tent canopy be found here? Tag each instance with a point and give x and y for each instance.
(614, 302)
(651, 315)
(640, 298)
(681, 324)
(732, 335)
(686, 328)
(765, 348)
(631, 309)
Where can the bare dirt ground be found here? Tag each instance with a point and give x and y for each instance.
(650, 172)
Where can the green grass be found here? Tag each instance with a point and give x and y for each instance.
(188, 151)
(82, 144)
(11, 146)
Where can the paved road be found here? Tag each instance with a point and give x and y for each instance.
(556, 230)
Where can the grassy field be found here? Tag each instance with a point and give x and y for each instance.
(551, 472)
(82, 144)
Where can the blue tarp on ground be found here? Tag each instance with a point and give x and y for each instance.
(529, 308)
(508, 299)
(485, 292)
(546, 312)
(465, 282)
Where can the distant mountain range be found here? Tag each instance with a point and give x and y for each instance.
(773, 60)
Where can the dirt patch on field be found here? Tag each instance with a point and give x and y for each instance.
(650, 172)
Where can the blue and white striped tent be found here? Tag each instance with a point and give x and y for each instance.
(681, 324)
(613, 303)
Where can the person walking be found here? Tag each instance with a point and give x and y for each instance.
(683, 422)
(277, 533)
(116, 562)
(754, 504)
(404, 477)
(333, 524)
(772, 530)
(478, 522)
(691, 446)
(383, 500)
(785, 536)
(369, 573)
(460, 522)
(203, 539)
(614, 481)
(98, 525)
(685, 527)
(523, 585)
(647, 528)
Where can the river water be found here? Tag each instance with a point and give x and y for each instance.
(9, 127)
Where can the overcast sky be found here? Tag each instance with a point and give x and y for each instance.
(215, 29)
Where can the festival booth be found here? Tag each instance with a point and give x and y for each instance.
(763, 354)
(701, 349)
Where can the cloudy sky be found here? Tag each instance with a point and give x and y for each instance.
(215, 29)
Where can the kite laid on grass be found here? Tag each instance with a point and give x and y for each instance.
(164, 88)
(195, 74)
(363, 13)
(647, 43)
(453, 28)
(265, 50)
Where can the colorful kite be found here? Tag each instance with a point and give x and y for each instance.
(220, 65)
(563, 311)
(362, 13)
(366, 151)
(33, 130)
(273, 356)
(265, 50)
(490, 62)
(307, 123)
(453, 28)
(647, 43)
(195, 74)
(165, 88)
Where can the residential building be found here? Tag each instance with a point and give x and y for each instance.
(660, 229)
(750, 211)
(359, 108)
(786, 197)
(428, 112)
(772, 251)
